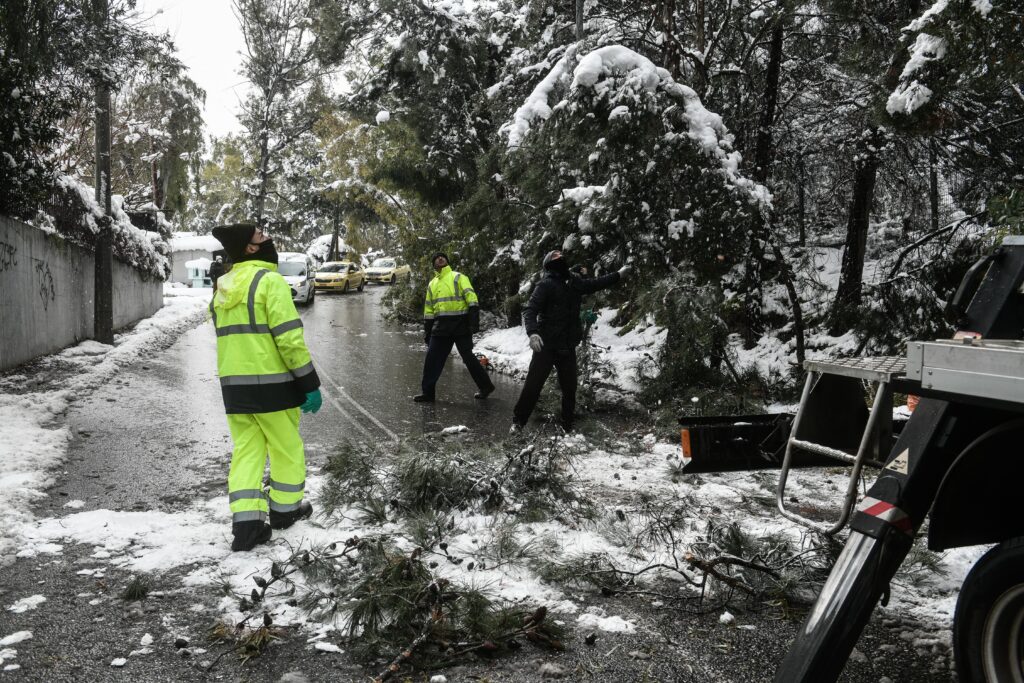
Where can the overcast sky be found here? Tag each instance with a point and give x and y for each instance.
(209, 41)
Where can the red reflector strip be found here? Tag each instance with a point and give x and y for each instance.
(887, 512)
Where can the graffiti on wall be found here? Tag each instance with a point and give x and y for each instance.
(8, 256)
(44, 281)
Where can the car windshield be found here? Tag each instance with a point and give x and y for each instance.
(333, 267)
(383, 263)
(296, 268)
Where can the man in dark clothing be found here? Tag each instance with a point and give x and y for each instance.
(552, 319)
(451, 316)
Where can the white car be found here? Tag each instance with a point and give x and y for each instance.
(298, 271)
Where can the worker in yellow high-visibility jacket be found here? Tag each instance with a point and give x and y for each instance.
(266, 377)
(451, 316)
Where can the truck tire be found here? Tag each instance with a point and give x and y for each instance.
(988, 628)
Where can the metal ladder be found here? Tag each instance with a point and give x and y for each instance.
(841, 380)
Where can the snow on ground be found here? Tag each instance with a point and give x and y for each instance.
(33, 438)
(617, 476)
(626, 354)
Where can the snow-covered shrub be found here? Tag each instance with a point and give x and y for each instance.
(74, 215)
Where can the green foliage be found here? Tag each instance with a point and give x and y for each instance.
(52, 54)
(1007, 211)
(137, 589)
(393, 603)
(422, 480)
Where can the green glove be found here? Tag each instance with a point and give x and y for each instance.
(588, 317)
(313, 402)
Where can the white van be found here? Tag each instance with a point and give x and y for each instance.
(298, 271)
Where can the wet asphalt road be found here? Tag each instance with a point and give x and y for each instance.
(156, 435)
(371, 369)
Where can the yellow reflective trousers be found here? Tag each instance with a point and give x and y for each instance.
(256, 436)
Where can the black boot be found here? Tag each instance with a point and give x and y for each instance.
(484, 393)
(248, 535)
(283, 520)
(423, 398)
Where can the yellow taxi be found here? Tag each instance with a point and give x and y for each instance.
(387, 270)
(339, 276)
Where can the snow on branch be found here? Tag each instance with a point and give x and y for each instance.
(536, 105)
(141, 249)
(910, 95)
(705, 128)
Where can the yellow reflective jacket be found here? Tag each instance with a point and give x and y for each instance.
(451, 308)
(262, 359)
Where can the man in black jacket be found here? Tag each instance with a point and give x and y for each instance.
(552, 319)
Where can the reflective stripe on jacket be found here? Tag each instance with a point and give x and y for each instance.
(451, 307)
(262, 359)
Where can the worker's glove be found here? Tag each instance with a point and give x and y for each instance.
(536, 343)
(625, 270)
(313, 402)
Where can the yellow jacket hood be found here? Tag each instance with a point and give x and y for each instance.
(233, 286)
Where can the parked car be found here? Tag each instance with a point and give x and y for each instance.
(340, 276)
(298, 271)
(387, 270)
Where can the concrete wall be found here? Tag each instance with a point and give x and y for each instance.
(46, 293)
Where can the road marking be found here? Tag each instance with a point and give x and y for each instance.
(344, 413)
(348, 417)
(364, 411)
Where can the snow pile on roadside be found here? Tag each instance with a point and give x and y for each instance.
(626, 354)
(33, 442)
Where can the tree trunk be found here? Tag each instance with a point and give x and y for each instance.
(261, 196)
(579, 19)
(848, 294)
(933, 185)
(789, 280)
(669, 46)
(763, 158)
(801, 201)
(764, 153)
(332, 254)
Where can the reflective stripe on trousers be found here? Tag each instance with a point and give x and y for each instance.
(255, 437)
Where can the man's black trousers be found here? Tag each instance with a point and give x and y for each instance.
(438, 349)
(564, 363)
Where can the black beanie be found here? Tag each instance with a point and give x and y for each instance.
(440, 253)
(235, 238)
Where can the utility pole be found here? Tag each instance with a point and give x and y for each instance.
(103, 291)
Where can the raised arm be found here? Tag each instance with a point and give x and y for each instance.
(589, 285)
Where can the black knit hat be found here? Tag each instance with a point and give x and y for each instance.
(440, 253)
(551, 257)
(235, 238)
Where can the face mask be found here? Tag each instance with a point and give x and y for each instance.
(266, 252)
(559, 266)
